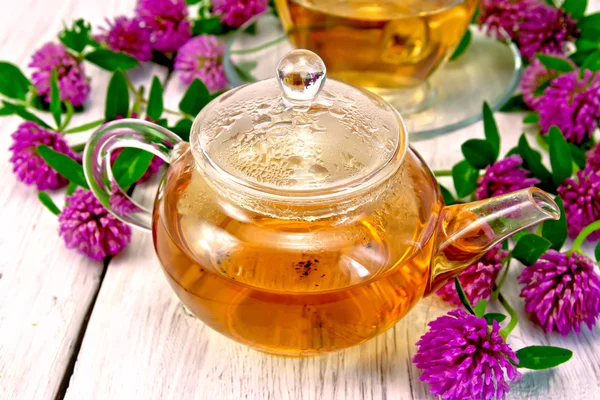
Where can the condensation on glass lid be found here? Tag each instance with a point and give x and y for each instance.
(344, 135)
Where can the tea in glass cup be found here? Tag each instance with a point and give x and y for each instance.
(390, 47)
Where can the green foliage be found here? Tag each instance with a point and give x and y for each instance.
(542, 357)
(491, 317)
(64, 165)
(462, 296)
(531, 118)
(491, 129)
(515, 104)
(111, 61)
(480, 308)
(155, 101)
(575, 7)
(592, 62)
(23, 113)
(555, 63)
(117, 97)
(85, 127)
(589, 22)
(182, 129)
(556, 231)
(465, 178)
(542, 88)
(447, 196)
(518, 235)
(479, 153)
(578, 155)
(55, 105)
(208, 26)
(130, 166)
(13, 83)
(77, 37)
(244, 70)
(195, 98)
(71, 189)
(48, 203)
(463, 45)
(560, 156)
(597, 252)
(529, 248)
(532, 161)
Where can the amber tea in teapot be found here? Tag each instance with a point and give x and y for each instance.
(298, 220)
(291, 286)
(378, 43)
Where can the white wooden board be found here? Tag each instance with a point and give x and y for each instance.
(140, 343)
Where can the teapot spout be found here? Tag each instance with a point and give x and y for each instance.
(467, 231)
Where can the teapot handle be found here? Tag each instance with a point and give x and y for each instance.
(97, 167)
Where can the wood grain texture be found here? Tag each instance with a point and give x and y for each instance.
(141, 344)
(45, 289)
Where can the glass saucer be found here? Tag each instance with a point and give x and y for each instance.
(489, 70)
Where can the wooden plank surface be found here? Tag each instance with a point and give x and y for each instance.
(45, 290)
(141, 344)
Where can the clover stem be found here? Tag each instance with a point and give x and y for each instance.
(442, 172)
(585, 232)
(67, 119)
(259, 48)
(462, 296)
(542, 142)
(78, 148)
(499, 285)
(514, 318)
(129, 84)
(172, 112)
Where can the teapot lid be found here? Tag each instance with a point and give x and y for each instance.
(299, 132)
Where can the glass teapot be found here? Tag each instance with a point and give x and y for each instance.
(298, 220)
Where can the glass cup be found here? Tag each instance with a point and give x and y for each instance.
(391, 47)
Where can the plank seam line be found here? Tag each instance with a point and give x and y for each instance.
(70, 369)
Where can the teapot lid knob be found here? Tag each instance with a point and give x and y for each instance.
(301, 75)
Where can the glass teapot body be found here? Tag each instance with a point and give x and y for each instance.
(289, 284)
(298, 221)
